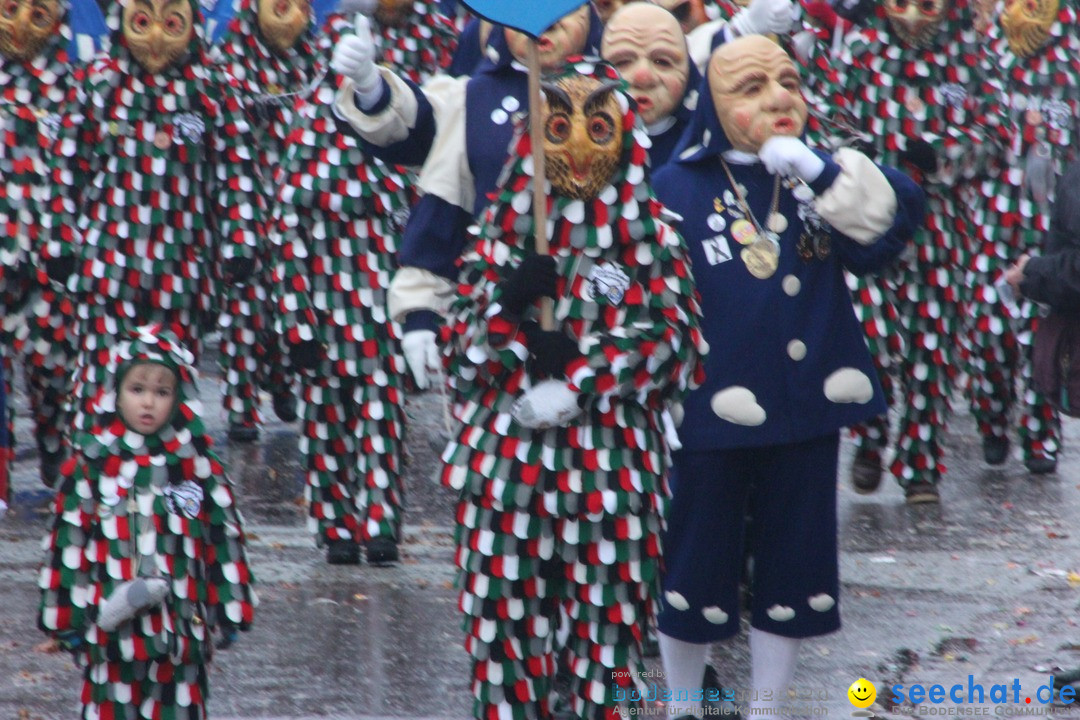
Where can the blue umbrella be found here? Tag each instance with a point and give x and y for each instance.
(88, 29)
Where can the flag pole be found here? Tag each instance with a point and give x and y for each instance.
(536, 141)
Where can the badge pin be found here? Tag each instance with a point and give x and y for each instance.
(743, 232)
(162, 140)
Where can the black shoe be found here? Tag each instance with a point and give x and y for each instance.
(382, 550)
(725, 704)
(243, 433)
(650, 645)
(285, 406)
(995, 449)
(1041, 464)
(50, 467)
(921, 493)
(866, 472)
(342, 552)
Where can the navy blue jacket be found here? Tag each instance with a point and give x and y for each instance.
(781, 337)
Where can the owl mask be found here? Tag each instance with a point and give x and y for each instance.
(158, 32)
(916, 21)
(582, 135)
(1027, 24)
(393, 13)
(282, 22)
(26, 25)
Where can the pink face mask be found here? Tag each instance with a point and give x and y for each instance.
(646, 45)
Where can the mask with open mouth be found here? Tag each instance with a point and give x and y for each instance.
(582, 135)
(158, 32)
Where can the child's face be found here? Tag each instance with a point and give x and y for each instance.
(146, 397)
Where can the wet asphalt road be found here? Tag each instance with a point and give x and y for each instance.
(987, 584)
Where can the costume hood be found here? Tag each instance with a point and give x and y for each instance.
(182, 440)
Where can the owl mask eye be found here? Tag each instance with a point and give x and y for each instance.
(582, 136)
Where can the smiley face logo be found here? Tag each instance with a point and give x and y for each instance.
(862, 693)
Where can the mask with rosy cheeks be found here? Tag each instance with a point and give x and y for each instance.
(282, 22)
(1027, 24)
(26, 26)
(646, 45)
(582, 135)
(394, 13)
(916, 21)
(565, 38)
(757, 92)
(157, 32)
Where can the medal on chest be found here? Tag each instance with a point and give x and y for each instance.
(761, 243)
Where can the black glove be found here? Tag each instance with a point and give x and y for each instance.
(229, 636)
(535, 277)
(550, 350)
(239, 269)
(60, 269)
(306, 354)
(71, 642)
(921, 154)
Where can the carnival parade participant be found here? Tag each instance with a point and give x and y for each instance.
(269, 49)
(145, 557)
(338, 221)
(561, 504)
(770, 225)
(36, 77)
(1031, 59)
(917, 107)
(153, 187)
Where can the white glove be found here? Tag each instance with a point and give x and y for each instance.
(354, 58)
(789, 156)
(351, 7)
(421, 355)
(549, 403)
(761, 17)
(130, 599)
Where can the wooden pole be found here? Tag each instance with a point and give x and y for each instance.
(536, 136)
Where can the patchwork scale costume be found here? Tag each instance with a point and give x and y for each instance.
(150, 506)
(415, 38)
(338, 221)
(36, 75)
(911, 84)
(568, 519)
(1032, 60)
(154, 189)
(269, 48)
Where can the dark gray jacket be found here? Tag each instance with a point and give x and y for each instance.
(1054, 276)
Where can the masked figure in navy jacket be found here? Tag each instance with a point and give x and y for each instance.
(770, 225)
